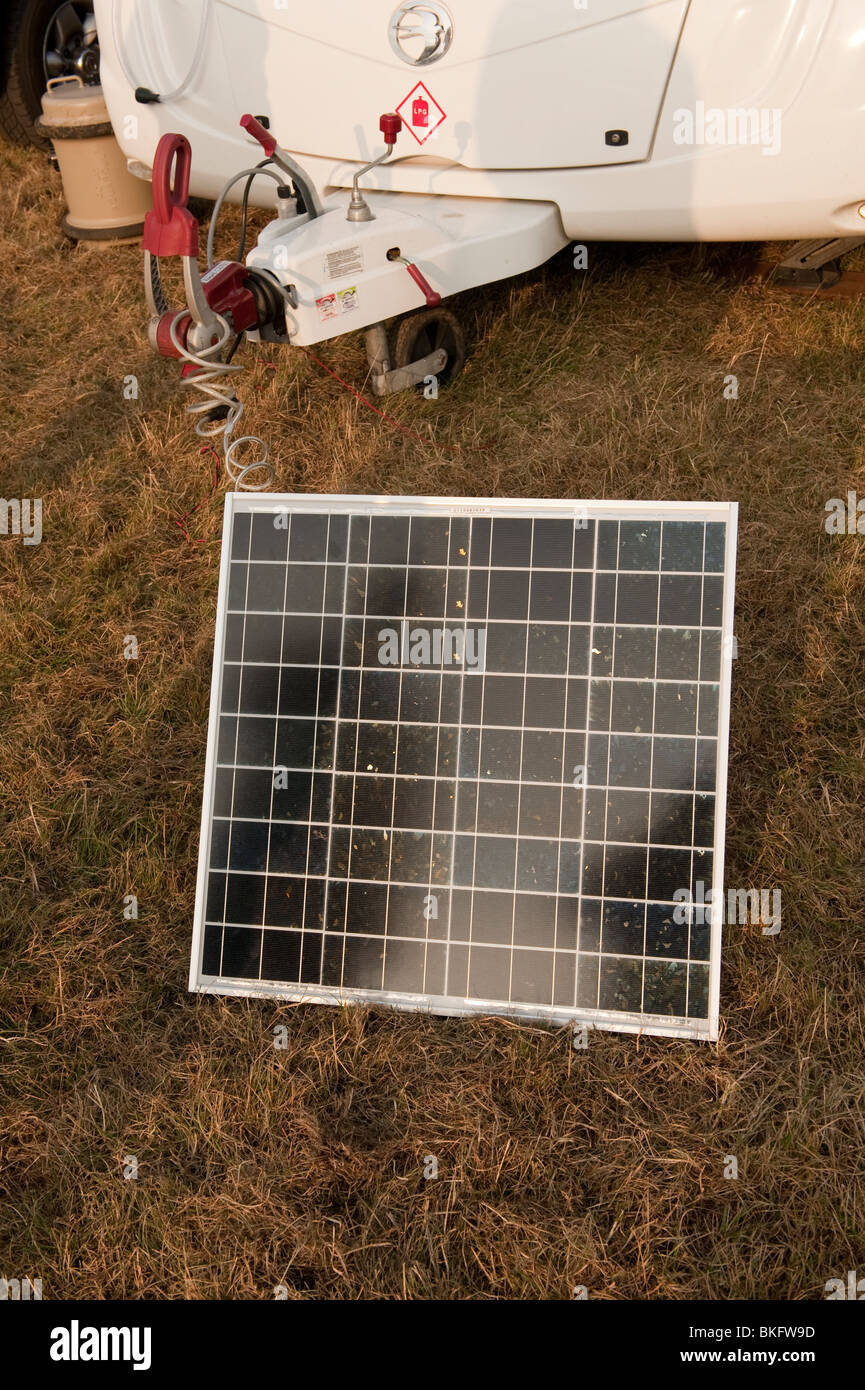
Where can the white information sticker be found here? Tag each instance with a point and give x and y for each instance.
(327, 307)
(348, 260)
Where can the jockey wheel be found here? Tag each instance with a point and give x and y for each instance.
(422, 333)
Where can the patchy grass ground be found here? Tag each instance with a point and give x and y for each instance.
(305, 1167)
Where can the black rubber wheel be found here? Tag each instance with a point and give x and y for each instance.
(424, 332)
(41, 39)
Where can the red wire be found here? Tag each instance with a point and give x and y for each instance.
(178, 521)
(208, 448)
(391, 421)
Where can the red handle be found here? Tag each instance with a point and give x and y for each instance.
(390, 125)
(170, 228)
(171, 150)
(258, 132)
(430, 295)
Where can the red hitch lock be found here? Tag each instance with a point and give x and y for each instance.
(171, 230)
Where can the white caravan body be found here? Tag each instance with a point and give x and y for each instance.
(529, 92)
(526, 125)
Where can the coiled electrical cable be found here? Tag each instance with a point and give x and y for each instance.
(209, 379)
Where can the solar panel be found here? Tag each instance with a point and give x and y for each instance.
(469, 756)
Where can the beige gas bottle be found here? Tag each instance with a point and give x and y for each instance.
(105, 201)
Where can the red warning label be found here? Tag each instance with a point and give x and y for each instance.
(421, 113)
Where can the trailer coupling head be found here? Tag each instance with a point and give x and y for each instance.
(226, 301)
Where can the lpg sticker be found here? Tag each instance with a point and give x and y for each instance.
(348, 260)
(347, 299)
(421, 113)
(326, 307)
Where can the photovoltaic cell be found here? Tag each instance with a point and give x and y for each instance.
(470, 756)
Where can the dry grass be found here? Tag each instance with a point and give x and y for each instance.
(305, 1167)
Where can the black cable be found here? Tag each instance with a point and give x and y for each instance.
(244, 208)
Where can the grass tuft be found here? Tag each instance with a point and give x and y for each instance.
(304, 1166)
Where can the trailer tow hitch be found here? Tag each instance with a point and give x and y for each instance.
(230, 299)
(221, 305)
(385, 377)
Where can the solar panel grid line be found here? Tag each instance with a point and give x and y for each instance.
(326, 918)
(537, 675)
(234, 775)
(444, 940)
(273, 778)
(691, 925)
(651, 776)
(304, 916)
(723, 724)
(480, 955)
(664, 737)
(613, 530)
(305, 612)
(385, 565)
(355, 532)
(451, 960)
(692, 863)
(564, 990)
(477, 789)
(414, 883)
(517, 844)
(538, 781)
(430, 899)
(453, 617)
(693, 867)
(453, 824)
(492, 723)
(671, 802)
(489, 834)
(582, 982)
(396, 769)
